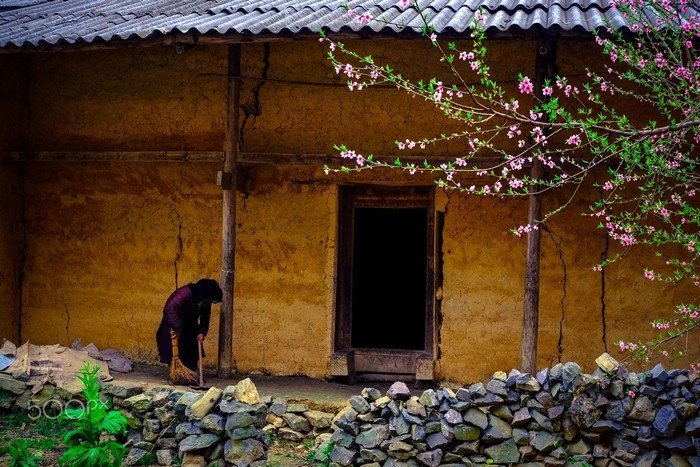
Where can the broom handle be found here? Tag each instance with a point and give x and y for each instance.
(176, 351)
(201, 363)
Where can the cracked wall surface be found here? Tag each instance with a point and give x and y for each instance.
(108, 242)
(101, 244)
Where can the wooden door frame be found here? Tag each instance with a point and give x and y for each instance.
(380, 196)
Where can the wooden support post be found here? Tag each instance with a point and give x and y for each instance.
(531, 300)
(228, 228)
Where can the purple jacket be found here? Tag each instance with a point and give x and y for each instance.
(182, 315)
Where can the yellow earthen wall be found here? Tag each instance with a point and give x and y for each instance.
(104, 238)
(13, 134)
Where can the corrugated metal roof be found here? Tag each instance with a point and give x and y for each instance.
(48, 22)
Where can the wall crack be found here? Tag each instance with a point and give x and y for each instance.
(254, 108)
(565, 278)
(603, 259)
(22, 252)
(178, 244)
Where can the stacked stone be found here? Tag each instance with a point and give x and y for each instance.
(610, 418)
(233, 426)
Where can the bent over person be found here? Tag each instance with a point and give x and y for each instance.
(186, 315)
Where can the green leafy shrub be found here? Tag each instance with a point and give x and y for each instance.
(21, 454)
(92, 442)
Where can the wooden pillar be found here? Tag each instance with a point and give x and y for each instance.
(531, 300)
(228, 180)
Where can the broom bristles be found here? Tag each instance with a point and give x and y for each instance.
(180, 374)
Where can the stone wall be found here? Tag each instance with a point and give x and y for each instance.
(558, 417)
(171, 426)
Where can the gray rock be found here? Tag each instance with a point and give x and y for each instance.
(359, 404)
(643, 410)
(297, 408)
(542, 420)
(289, 435)
(279, 406)
(497, 430)
(476, 417)
(430, 458)
(371, 394)
(570, 373)
(297, 422)
(584, 412)
(666, 422)
(342, 438)
(399, 425)
(152, 425)
(399, 391)
(186, 429)
(239, 420)
(373, 437)
(497, 387)
(139, 402)
(692, 426)
(466, 433)
(527, 383)
(453, 417)
(373, 455)
(543, 441)
(135, 456)
(603, 426)
(414, 407)
(214, 423)
(166, 456)
(342, 456)
(429, 398)
(504, 453)
(436, 440)
(243, 453)
(244, 433)
(123, 389)
(477, 390)
(319, 419)
(521, 417)
(521, 436)
(197, 442)
(116, 360)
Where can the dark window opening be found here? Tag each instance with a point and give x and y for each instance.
(389, 267)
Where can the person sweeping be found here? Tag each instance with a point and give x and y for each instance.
(184, 327)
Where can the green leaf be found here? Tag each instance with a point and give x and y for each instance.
(114, 423)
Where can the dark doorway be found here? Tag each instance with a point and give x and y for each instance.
(389, 278)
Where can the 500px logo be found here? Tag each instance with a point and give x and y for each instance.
(55, 408)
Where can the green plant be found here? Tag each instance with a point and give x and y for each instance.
(325, 454)
(92, 442)
(21, 454)
(52, 426)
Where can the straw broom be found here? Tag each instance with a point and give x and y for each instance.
(179, 373)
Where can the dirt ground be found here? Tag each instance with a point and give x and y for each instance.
(318, 394)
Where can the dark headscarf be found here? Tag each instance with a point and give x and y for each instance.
(206, 289)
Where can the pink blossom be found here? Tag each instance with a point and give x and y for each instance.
(433, 37)
(649, 275)
(526, 86)
(573, 140)
(631, 394)
(607, 186)
(404, 3)
(547, 91)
